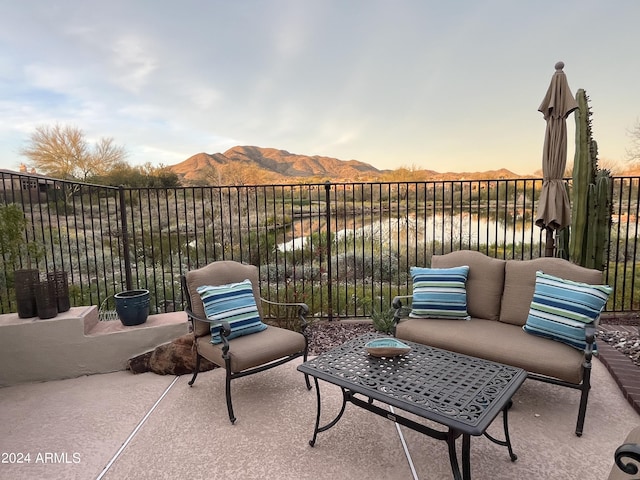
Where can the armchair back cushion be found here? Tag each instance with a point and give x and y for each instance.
(484, 281)
(219, 273)
(520, 283)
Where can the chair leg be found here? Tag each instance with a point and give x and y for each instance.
(304, 359)
(228, 393)
(582, 412)
(196, 371)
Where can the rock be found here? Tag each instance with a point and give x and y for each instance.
(175, 358)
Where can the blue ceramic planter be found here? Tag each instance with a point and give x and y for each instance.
(132, 306)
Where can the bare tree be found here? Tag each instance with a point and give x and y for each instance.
(63, 152)
(612, 165)
(633, 153)
(240, 175)
(209, 174)
(105, 156)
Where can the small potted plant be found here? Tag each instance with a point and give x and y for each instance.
(16, 252)
(382, 320)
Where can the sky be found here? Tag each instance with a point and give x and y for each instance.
(448, 86)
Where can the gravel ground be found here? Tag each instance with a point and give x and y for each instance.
(625, 342)
(326, 335)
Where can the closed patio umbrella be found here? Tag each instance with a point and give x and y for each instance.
(554, 212)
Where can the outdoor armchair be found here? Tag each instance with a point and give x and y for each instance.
(249, 353)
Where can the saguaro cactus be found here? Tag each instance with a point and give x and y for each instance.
(591, 195)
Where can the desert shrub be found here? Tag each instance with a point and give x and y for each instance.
(383, 320)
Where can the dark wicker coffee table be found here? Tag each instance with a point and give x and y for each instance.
(460, 392)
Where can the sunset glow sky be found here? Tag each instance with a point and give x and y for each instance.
(447, 86)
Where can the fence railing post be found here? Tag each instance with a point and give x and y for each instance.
(125, 239)
(327, 212)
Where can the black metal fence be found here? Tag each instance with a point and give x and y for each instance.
(343, 248)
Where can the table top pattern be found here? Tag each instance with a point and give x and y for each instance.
(463, 392)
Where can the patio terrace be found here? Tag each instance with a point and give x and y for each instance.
(119, 425)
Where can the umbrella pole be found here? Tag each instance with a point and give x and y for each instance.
(550, 247)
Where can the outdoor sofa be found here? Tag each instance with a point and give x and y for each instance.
(499, 296)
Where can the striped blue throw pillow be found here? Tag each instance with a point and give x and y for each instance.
(440, 293)
(233, 303)
(561, 309)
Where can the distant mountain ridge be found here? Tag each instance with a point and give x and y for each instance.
(256, 165)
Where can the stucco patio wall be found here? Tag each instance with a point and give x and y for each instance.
(75, 343)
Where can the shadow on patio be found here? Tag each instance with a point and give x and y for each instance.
(120, 425)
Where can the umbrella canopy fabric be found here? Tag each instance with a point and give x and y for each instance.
(554, 211)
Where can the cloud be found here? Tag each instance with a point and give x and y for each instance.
(409, 82)
(133, 61)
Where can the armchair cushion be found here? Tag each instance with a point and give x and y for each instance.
(233, 303)
(561, 309)
(254, 350)
(439, 293)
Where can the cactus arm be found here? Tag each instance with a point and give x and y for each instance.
(587, 256)
(581, 179)
(591, 195)
(603, 221)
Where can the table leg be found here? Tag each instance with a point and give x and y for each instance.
(453, 456)
(318, 428)
(466, 457)
(507, 440)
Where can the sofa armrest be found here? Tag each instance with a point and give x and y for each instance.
(400, 310)
(632, 452)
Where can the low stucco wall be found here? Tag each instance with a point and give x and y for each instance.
(75, 343)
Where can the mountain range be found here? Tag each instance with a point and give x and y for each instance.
(256, 165)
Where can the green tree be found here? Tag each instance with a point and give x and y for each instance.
(62, 151)
(14, 249)
(161, 176)
(121, 173)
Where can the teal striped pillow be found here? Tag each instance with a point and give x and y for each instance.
(233, 303)
(561, 309)
(440, 293)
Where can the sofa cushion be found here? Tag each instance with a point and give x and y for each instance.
(484, 282)
(520, 281)
(233, 303)
(561, 309)
(439, 293)
(499, 342)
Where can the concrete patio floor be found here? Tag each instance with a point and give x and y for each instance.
(119, 425)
